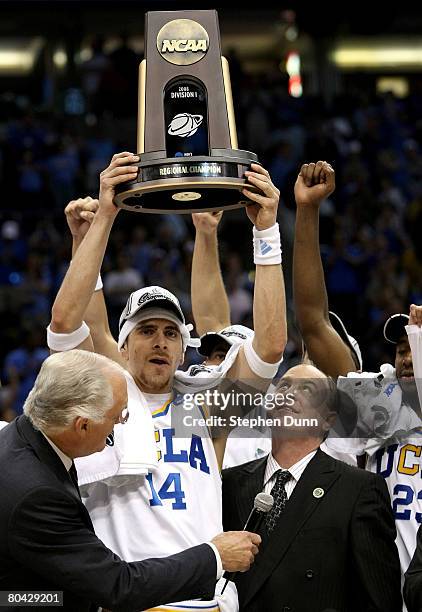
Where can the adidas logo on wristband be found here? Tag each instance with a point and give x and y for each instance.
(265, 247)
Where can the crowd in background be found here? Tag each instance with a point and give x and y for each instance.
(368, 228)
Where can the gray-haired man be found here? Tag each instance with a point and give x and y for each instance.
(47, 541)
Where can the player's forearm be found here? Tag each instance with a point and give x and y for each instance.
(269, 313)
(76, 243)
(310, 295)
(79, 283)
(210, 305)
(97, 320)
(96, 315)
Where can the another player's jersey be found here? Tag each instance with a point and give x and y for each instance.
(400, 463)
(181, 500)
(391, 435)
(176, 507)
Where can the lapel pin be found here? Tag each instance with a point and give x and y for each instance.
(318, 492)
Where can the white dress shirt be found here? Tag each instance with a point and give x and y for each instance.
(67, 461)
(295, 470)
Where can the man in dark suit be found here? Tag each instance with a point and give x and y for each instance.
(413, 579)
(47, 542)
(328, 542)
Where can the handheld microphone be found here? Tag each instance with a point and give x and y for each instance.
(262, 504)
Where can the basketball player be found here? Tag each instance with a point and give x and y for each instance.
(386, 401)
(389, 429)
(180, 501)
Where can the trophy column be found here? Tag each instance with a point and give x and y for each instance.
(187, 139)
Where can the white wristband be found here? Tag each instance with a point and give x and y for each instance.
(99, 284)
(67, 342)
(257, 365)
(267, 246)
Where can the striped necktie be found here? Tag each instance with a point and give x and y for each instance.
(280, 498)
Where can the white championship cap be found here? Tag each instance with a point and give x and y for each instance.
(158, 303)
(233, 334)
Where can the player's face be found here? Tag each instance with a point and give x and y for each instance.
(154, 351)
(403, 363)
(217, 355)
(96, 433)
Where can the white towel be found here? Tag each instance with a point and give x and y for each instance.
(382, 416)
(198, 378)
(134, 453)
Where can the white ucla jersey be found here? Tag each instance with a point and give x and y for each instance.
(400, 464)
(391, 434)
(175, 507)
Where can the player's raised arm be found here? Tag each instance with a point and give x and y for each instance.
(259, 358)
(325, 347)
(79, 215)
(79, 283)
(210, 305)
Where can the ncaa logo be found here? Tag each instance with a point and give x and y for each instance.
(184, 125)
(182, 42)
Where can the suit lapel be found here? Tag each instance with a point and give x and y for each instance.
(319, 473)
(50, 458)
(251, 483)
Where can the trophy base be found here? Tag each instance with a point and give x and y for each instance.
(185, 185)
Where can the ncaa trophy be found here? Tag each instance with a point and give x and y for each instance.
(187, 141)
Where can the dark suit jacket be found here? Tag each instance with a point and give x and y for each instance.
(335, 553)
(413, 581)
(47, 540)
